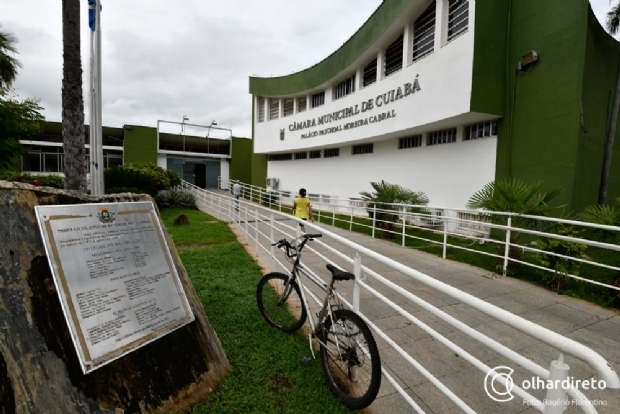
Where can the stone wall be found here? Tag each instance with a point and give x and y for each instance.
(39, 368)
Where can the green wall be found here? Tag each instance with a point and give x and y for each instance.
(241, 160)
(140, 144)
(338, 61)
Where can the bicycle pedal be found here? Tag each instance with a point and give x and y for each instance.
(306, 360)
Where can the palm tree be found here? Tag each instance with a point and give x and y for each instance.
(72, 98)
(383, 198)
(613, 24)
(8, 62)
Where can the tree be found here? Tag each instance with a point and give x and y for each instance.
(8, 62)
(613, 24)
(19, 119)
(72, 99)
(383, 198)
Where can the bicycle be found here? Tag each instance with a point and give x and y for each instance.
(348, 351)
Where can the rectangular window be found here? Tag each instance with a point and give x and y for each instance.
(357, 202)
(274, 108)
(362, 149)
(288, 106)
(481, 130)
(301, 155)
(301, 104)
(441, 137)
(261, 109)
(52, 162)
(318, 99)
(315, 197)
(280, 157)
(394, 56)
(458, 18)
(326, 199)
(332, 152)
(31, 162)
(344, 88)
(410, 142)
(370, 73)
(424, 33)
(315, 154)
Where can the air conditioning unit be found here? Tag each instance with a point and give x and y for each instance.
(273, 183)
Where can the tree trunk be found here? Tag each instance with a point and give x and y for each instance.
(609, 144)
(72, 99)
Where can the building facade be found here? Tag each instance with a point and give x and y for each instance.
(444, 96)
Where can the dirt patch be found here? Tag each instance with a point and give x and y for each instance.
(278, 382)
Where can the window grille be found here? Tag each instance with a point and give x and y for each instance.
(51, 159)
(301, 104)
(318, 99)
(442, 137)
(424, 33)
(370, 73)
(301, 155)
(288, 106)
(481, 130)
(332, 152)
(315, 154)
(458, 18)
(362, 149)
(280, 157)
(410, 142)
(344, 88)
(261, 109)
(274, 108)
(394, 56)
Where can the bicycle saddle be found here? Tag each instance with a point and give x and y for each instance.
(338, 274)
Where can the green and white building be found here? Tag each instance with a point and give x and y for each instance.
(444, 96)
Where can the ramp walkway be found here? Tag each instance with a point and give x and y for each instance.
(593, 326)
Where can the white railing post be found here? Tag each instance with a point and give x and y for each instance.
(247, 232)
(555, 401)
(256, 230)
(357, 271)
(351, 221)
(507, 249)
(273, 248)
(250, 193)
(404, 225)
(445, 236)
(374, 218)
(334, 215)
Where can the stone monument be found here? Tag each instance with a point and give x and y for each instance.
(39, 368)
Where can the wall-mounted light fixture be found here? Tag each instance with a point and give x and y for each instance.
(527, 60)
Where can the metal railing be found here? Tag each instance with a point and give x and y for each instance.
(410, 223)
(260, 225)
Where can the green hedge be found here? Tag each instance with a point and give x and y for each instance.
(140, 178)
(52, 180)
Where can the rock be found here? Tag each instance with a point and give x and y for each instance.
(39, 368)
(181, 220)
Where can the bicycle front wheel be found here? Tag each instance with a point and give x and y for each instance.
(350, 359)
(279, 301)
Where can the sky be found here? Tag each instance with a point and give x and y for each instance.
(162, 60)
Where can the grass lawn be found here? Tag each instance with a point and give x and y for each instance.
(267, 374)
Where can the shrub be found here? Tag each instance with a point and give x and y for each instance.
(174, 177)
(141, 177)
(118, 190)
(608, 215)
(175, 199)
(55, 181)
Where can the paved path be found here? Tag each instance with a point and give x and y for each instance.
(589, 324)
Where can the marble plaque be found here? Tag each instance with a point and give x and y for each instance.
(117, 283)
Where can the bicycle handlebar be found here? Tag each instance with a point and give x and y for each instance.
(285, 243)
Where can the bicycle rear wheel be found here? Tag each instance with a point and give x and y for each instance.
(350, 359)
(279, 301)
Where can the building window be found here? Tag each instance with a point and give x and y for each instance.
(280, 157)
(288, 107)
(442, 137)
(357, 202)
(315, 197)
(410, 142)
(394, 56)
(458, 17)
(424, 33)
(332, 152)
(315, 154)
(318, 99)
(370, 73)
(301, 155)
(481, 130)
(362, 149)
(261, 109)
(344, 88)
(301, 104)
(274, 108)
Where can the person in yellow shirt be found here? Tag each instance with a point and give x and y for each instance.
(302, 208)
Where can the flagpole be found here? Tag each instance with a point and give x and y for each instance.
(99, 148)
(96, 149)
